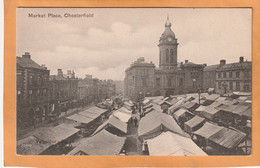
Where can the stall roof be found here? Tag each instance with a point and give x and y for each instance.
(180, 112)
(189, 105)
(103, 143)
(80, 118)
(146, 101)
(211, 89)
(157, 108)
(201, 108)
(89, 114)
(125, 110)
(122, 116)
(220, 99)
(242, 93)
(229, 102)
(207, 130)
(228, 138)
(172, 144)
(148, 106)
(153, 120)
(240, 110)
(212, 97)
(97, 110)
(247, 113)
(176, 105)
(194, 121)
(31, 146)
(56, 134)
(228, 108)
(128, 104)
(112, 121)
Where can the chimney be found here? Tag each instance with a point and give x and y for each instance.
(241, 59)
(141, 59)
(60, 73)
(26, 55)
(43, 65)
(204, 65)
(222, 62)
(186, 61)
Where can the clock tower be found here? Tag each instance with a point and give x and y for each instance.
(168, 48)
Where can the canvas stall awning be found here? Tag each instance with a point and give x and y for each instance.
(122, 116)
(240, 110)
(170, 144)
(113, 122)
(209, 112)
(177, 105)
(228, 138)
(80, 118)
(97, 110)
(193, 124)
(189, 105)
(211, 89)
(247, 113)
(148, 106)
(56, 134)
(103, 143)
(220, 99)
(31, 146)
(156, 121)
(181, 112)
(212, 97)
(125, 110)
(146, 101)
(207, 130)
(200, 109)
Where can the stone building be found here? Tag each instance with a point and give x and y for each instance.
(170, 78)
(63, 90)
(234, 77)
(32, 85)
(86, 90)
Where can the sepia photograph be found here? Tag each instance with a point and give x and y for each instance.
(134, 81)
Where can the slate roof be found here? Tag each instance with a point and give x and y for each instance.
(28, 63)
(211, 67)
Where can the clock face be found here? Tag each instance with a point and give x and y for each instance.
(169, 39)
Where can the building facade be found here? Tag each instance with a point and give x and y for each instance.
(170, 78)
(32, 85)
(234, 77)
(63, 90)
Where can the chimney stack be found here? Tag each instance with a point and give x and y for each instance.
(222, 62)
(204, 65)
(186, 61)
(241, 59)
(26, 55)
(60, 73)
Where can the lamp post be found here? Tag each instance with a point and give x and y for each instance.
(199, 91)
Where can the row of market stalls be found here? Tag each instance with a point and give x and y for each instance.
(109, 138)
(54, 140)
(225, 120)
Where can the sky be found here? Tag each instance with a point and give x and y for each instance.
(107, 43)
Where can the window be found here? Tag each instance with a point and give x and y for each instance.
(219, 75)
(237, 85)
(246, 74)
(224, 74)
(144, 81)
(39, 80)
(169, 82)
(31, 79)
(171, 57)
(230, 74)
(219, 85)
(181, 82)
(230, 85)
(167, 55)
(238, 74)
(246, 86)
(19, 93)
(157, 81)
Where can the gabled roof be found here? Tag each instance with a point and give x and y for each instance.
(194, 121)
(103, 143)
(56, 134)
(114, 122)
(207, 130)
(172, 144)
(122, 116)
(28, 63)
(154, 120)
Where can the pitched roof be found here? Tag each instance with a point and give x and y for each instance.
(154, 120)
(114, 122)
(194, 121)
(122, 116)
(211, 67)
(103, 143)
(80, 118)
(56, 134)
(228, 138)
(237, 65)
(31, 146)
(207, 130)
(172, 144)
(28, 63)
